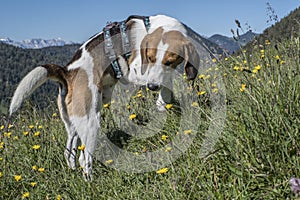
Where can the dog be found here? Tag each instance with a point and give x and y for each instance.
(140, 50)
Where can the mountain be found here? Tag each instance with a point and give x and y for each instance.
(35, 43)
(230, 44)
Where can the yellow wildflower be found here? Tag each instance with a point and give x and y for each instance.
(132, 116)
(187, 132)
(25, 133)
(236, 68)
(54, 115)
(36, 134)
(18, 177)
(31, 126)
(169, 106)
(109, 162)
(81, 147)
(195, 104)
(26, 195)
(10, 125)
(1, 159)
(168, 149)
(201, 76)
(40, 127)
(277, 57)
(201, 93)
(256, 69)
(106, 105)
(243, 87)
(164, 137)
(34, 167)
(41, 169)
(1, 145)
(215, 90)
(36, 146)
(162, 170)
(214, 60)
(33, 184)
(2, 127)
(7, 134)
(58, 197)
(207, 77)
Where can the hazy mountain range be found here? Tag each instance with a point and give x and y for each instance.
(227, 43)
(35, 43)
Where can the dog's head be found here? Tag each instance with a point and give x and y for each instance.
(164, 51)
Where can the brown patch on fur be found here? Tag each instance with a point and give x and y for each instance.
(180, 47)
(79, 97)
(132, 56)
(149, 47)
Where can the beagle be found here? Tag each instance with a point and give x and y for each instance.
(159, 45)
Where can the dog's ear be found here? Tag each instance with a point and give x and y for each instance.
(192, 61)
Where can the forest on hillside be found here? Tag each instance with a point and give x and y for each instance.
(16, 62)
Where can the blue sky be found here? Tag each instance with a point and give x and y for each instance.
(77, 20)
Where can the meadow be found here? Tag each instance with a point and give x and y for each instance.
(255, 155)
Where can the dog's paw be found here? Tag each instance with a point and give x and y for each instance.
(87, 176)
(161, 105)
(70, 158)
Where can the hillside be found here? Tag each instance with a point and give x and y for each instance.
(286, 28)
(16, 62)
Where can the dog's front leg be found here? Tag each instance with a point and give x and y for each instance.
(165, 97)
(87, 128)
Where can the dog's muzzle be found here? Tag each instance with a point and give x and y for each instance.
(153, 86)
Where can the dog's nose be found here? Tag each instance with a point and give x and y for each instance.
(153, 86)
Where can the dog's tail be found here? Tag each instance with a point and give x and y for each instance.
(33, 80)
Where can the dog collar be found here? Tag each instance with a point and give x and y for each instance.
(109, 50)
(147, 23)
(109, 47)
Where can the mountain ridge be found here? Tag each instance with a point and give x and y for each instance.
(36, 43)
(230, 44)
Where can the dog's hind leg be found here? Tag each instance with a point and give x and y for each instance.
(85, 119)
(73, 139)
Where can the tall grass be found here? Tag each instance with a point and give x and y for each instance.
(254, 158)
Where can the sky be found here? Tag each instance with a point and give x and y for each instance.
(77, 20)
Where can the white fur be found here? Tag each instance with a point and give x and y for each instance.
(28, 84)
(168, 23)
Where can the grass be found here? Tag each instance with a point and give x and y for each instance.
(254, 157)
